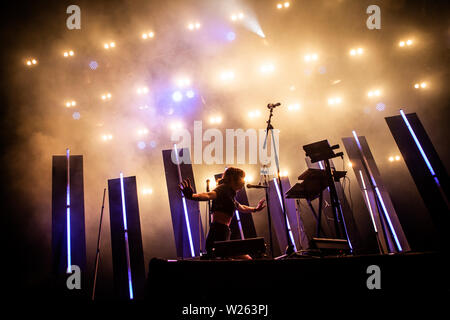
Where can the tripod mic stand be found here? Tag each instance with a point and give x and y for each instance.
(290, 245)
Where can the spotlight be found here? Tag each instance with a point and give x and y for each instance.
(311, 57)
(176, 125)
(397, 158)
(34, 61)
(401, 43)
(148, 35)
(248, 178)
(423, 85)
(215, 120)
(227, 75)
(141, 145)
(142, 90)
(237, 16)
(293, 107)
(391, 159)
(76, 115)
(107, 137)
(279, 6)
(355, 52)
(409, 42)
(333, 101)
(31, 62)
(109, 45)
(182, 82)
(190, 94)
(284, 173)
(106, 96)
(416, 86)
(194, 26)
(374, 93)
(254, 114)
(147, 191)
(350, 164)
(71, 103)
(286, 4)
(267, 68)
(177, 96)
(142, 132)
(66, 54)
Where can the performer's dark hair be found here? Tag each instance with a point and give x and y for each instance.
(231, 175)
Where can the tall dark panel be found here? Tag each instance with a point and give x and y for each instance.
(278, 220)
(77, 242)
(434, 189)
(121, 239)
(178, 205)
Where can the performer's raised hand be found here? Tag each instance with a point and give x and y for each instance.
(260, 205)
(186, 188)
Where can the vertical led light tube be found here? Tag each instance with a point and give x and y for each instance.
(419, 146)
(368, 201)
(69, 246)
(378, 194)
(125, 228)
(287, 220)
(186, 216)
(238, 218)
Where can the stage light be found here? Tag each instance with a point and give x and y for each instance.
(182, 82)
(177, 96)
(93, 65)
(147, 191)
(391, 159)
(311, 57)
(212, 183)
(333, 101)
(142, 90)
(107, 137)
(380, 106)
(401, 43)
(106, 96)
(350, 164)
(176, 126)
(143, 131)
(267, 68)
(254, 114)
(147, 35)
(292, 88)
(284, 173)
(194, 26)
(31, 62)
(237, 16)
(66, 54)
(355, 52)
(190, 94)
(416, 86)
(141, 145)
(279, 6)
(409, 42)
(231, 36)
(227, 75)
(374, 93)
(143, 107)
(248, 179)
(286, 4)
(109, 45)
(423, 85)
(71, 103)
(397, 158)
(215, 119)
(293, 107)
(76, 115)
(34, 61)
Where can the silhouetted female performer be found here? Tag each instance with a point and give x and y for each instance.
(223, 206)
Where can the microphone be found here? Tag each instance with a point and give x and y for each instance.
(207, 185)
(273, 105)
(256, 186)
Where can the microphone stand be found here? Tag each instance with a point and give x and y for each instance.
(290, 246)
(97, 253)
(269, 217)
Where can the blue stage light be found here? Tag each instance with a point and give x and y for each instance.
(76, 115)
(141, 145)
(153, 144)
(190, 94)
(93, 65)
(177, 96)
(231, 36)
(380, 106)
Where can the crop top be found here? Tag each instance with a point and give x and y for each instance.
(225, 201)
